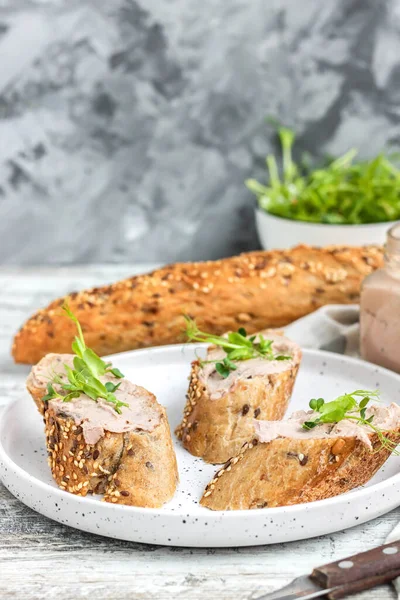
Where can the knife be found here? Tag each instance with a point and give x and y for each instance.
(394, 536)
(347, 576)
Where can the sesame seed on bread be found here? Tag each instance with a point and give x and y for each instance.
(130, 462)
(259, 290)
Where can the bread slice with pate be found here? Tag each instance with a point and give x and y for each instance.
(285, 464)
(93, 449)
(220, 411)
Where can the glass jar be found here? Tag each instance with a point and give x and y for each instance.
(380, 308)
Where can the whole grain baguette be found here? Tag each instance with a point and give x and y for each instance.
(258, 289)
(286, 471)
(217, 428)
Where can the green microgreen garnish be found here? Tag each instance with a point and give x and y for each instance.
(84, 378)
(349, 407)
(94, 363)
(237, 346)
(340, 191)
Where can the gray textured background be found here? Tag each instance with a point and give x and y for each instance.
(127, 127)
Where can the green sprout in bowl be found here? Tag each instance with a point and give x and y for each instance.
(343, 191)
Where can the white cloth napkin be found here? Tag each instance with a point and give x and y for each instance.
(335, 328)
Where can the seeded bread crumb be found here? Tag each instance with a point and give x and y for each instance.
(290, 471)
(217, 429)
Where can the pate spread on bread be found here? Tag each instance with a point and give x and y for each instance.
(219, 412)
(285, 464)
(126, 456)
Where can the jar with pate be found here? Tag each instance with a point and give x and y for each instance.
(380, 309)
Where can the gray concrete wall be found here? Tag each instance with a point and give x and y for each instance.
(127, 127)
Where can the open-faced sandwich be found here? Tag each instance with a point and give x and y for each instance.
(243, 378)
(329, 450)
(104, 434)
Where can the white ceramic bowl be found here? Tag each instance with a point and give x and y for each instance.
(277, 233)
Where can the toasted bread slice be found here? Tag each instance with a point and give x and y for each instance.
(92, 449)
(219, 413)
(303, 467)
(259, 290)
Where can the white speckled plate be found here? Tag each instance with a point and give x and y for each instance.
(182, 522)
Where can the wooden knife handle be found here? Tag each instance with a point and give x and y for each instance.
(382, 562)
(362, 584)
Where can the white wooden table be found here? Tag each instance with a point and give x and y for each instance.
(40, 559)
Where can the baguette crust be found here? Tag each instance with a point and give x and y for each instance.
(292, 471)
(217, 429)
(258, 290)
(37, 394)
(137, 468)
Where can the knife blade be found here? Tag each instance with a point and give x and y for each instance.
(301, 587)
(347, 576)
(394, 535)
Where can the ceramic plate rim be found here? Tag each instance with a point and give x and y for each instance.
(210, 515)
